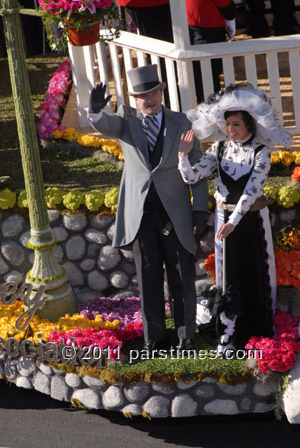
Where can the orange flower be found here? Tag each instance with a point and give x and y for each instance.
(296, 174)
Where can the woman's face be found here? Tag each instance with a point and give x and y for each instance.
(236, 128)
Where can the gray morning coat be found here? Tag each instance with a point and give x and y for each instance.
(138, 175)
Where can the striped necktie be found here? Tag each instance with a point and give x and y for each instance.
(151, 129)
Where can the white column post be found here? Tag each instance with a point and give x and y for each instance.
(182, 42)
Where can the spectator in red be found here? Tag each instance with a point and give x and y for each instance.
(209, 21)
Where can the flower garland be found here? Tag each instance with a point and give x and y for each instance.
(285, 157)
(49, 113)
(110, 146)
(278, 354)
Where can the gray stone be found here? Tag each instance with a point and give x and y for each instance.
(60, 233)
(238, 389)
(58, 253)
(41, 383)
(1, 368)
(157, 406)
(3, 266)
(75, 222)
(24, 238)
(10, 370)
(47, 370)
(14, 276)
(119, 279)
(268, 386)
(265, 407)
(31, 258)
(200, 269)
(87, 264)
(12, 226)
(84, 294)
(13, 252)
(74, 274)
(23, 381)
(290, 399)
(128, 254)
(59, 389)
(75, 248)
(96, 237)
(129, 268)
(183, 406)
(287, 216)
(137, 393)
(26, 367)
(184, 386)
(93, 250)
(53, 215)
(204, 391)
(246, 404)
(94, 381)
(123, 294)
(202, 285)
(221, 407)
(160, 387)
(207, 243)
(89, 398)
(73, 380)
(112, 398)
(97, 281)
(101, 221)
(111, 231)
(109, 257)
(133, 409)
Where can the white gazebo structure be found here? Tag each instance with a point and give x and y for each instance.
(242, 60)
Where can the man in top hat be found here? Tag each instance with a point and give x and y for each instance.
(154, 208)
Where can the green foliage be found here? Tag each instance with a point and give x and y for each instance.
(7, 199)
(73, 200)
(22, 199)
(53, 197)
(111, 198)
(288, 196)
(94, 200)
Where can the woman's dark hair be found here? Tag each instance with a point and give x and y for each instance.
(248, 120)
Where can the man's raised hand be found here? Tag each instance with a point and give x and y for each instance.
(97, 98)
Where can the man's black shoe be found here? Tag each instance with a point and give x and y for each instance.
(155, 345)
(185, 344)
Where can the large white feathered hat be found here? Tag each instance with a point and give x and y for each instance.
(209, 122)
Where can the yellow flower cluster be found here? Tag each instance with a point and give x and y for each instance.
(108, 145)
(285, 157)
(10, 313)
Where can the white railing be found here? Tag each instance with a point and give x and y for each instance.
(272, 64)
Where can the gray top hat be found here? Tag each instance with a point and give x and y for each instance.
(144, 80)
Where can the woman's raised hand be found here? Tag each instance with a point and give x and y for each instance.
(186, 143)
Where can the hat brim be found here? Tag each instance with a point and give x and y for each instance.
(160, 86)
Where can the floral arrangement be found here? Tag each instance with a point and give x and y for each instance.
(288, 268)
(7, 199)
(79, 14)
(57, 199)
(111, 198)
(285, 158)
(278, 354)
(288, 196)
(110, 146)
(55, 101)
(209, 265)
(296, 174)
(288, 238)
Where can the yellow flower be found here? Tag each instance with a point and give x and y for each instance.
(58, 134)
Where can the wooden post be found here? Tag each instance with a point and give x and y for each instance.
(45, 270)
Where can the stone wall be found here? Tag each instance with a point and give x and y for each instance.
(84, 249)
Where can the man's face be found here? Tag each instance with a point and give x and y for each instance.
(149, 103)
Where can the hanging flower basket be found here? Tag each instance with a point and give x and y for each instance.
(82, 37)
(78, 21)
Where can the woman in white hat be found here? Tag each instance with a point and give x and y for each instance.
(243, 122)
